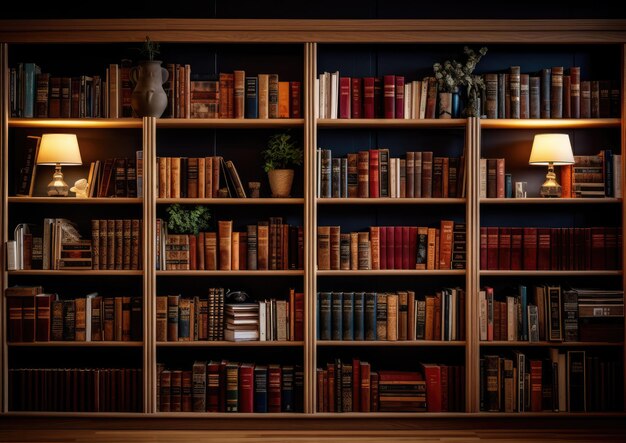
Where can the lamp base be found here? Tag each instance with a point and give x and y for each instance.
(550, 188)
(57, 187)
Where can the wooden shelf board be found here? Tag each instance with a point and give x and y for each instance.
(232, 201)
(231, 415)
(390, 201)
(551, 344)
(549, 201)
(390, 123)
(574, 123)
(229, 123)
(229, 273)
(76, 272)
(548, 273)
(389, 272)
(224, 344)
(55, 414)
(77, 201)
(109, 123)
(384, 343)
(72, 344)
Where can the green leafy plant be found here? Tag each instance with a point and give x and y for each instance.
(282, 152)
(186, 220)
(149, 49)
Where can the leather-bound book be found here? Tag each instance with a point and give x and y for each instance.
(556, 92)
(345, 102)
(374, 171)
(585, 99)
(535, 97)
(295, 103)
(546, 86)
(399, 97)
(491, 105)
(323, 248)
(225, 229)
(514, 88)
(574, 74)
(595, 99)
(356, 98)
(363, 174)
(567, 96)
(524, 96)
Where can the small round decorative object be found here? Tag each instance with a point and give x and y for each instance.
(255, 189)
(233, 297)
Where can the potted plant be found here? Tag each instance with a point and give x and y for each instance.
(148, 98)
(281, 155)
(187, 220)
(451, 75)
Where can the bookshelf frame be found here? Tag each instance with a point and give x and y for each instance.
(307, 33)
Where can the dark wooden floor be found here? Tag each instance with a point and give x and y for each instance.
(179, 436)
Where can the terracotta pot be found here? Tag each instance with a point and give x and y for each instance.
(280, 182)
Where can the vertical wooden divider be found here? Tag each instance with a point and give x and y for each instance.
(622, 172)
(472, 278)
(4, 140)
(310, 213)
(149, 275)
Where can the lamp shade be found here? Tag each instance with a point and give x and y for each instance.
(551, 148)
(59, 148)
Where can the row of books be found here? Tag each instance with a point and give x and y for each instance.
(551, 93)
(199, 319)
(389, 96)
(197, 177)
(266, 320)
(571, 381)
(549, 312)
(392, 247)
(391, 316)
(355, 387)
(532, 248)
(234, 95)
(268, 245)
(373, 173)
(596, 175)
(226, 386)
(120, 177)
(75, 389)
(38, 94)
(116, 244)
(35, 316)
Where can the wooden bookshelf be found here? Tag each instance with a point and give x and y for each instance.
(311, 37)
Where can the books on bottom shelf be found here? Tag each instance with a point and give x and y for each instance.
(572, 381)
(227, 386)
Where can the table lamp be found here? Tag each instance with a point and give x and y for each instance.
(551, 150)
(57, 150)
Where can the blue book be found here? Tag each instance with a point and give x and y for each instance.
(348, 315)
(359, 315)
(287, 403)
(260, 388)
(31, 71)
(608, 173)
(323, 316)
(251, 107)
(523, 299)
(370, 315)
(337, 316)
(508, 186)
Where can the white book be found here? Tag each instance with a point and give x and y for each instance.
(483, 178)
(11, 255)
(408, 93)
(334, 95)
(262, 321)
(423, 97)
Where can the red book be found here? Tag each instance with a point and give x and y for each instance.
(274, 381)
(356, 385)
(368, 97)
(445, 389)
(516, 249)
(431, 100)
(391, 247)
(432, 375)
(382, 247)
(500, 178)
(566, 181)
(374, 171)
(530, 249)
(357, 99)
(397, 247)
(28, 319)
(344, 98)
(246, 388)
(492, 247)
(406, 247)
(213, 387)
(445, 244)
(504, 249)
(389, 85)
(399, 96)
(483, 247)
(543, 249)
(365, 395)
(574, 73)
(14, 327)
(597, 253)
(295, 92)
(535, 386)
(43, 304)
(412, 246)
